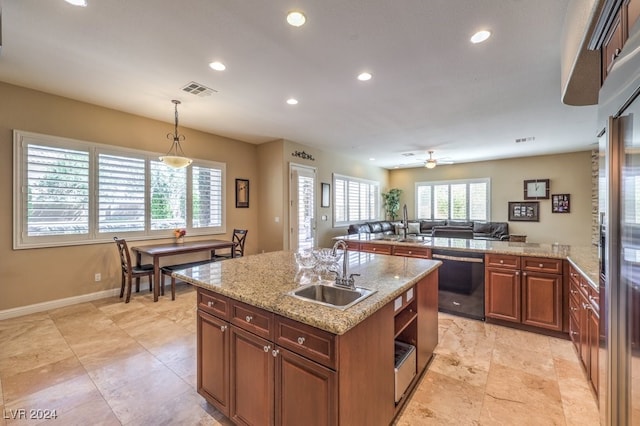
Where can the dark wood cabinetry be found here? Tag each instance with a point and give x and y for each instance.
(525, 290)
(213, 360)
(259, 368)
(612, 30)
(584, 327)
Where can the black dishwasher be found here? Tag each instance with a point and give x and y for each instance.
(461, 283)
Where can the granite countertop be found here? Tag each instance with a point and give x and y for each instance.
(583, 258)
(263, 280)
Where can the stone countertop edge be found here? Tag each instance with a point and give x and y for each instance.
(263, 280)
(583, 258)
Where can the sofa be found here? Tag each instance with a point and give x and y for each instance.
(437, 228)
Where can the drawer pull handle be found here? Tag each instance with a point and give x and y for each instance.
(210, 304)
(517, 273)
(275, 352)
(410, 252)
(248, 318)
(574, 333)
(572, 291)
(301, 340)
(501, 261)
(524, 274)
(223, 328)
(573, 308)
(587, 307)
(540, 265)
(267, 348)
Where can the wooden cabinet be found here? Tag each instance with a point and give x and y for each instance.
(304, 390)
(612, 30)
(259, 368)
(251, 379)
(376, 248)
(584, 323)
(525, 290)
(213, 360)
(406, 251)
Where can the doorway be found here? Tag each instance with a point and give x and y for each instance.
(302, 212)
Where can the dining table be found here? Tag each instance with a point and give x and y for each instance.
(156, 251)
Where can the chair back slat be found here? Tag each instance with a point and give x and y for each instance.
(239, 237)
(123, 251)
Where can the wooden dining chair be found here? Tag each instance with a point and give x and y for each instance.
(239, 237)
(130, 271)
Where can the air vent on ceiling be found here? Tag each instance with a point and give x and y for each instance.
(198, 89)
(529, 139)
(408, 154)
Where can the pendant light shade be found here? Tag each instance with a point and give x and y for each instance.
(175, 158)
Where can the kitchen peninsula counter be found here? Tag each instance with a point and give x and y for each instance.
(583, 258)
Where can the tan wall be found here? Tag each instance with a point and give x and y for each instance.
(33, 276)
(326, 164)
(569, 174)
(271, 187)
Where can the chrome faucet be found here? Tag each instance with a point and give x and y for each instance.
(344, 280)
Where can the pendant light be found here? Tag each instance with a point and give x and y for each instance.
(175, 158)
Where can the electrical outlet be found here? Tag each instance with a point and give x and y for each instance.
(98, 277)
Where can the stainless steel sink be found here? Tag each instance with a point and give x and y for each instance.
(329, 295)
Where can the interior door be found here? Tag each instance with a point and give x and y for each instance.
(302, 210)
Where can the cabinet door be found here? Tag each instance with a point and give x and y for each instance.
(502, 294)
(213, 361)
(594, 347)
(306, 392)
(251, 385)
(542, 300)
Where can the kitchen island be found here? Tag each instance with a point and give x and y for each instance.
(266, 357)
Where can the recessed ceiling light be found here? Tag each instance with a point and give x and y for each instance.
(296, 19)
(372, 159)
(480, 36)
(292, 101)
(218, 66)
(365, 76)
(82, 3)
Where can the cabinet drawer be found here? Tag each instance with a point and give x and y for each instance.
(574, 309)
(213, 303)
(310, 342)
(353, 245)
(542, 264)
(574, 276)
(376, 248)
(250, 318)
(412, 252)
(502, 261)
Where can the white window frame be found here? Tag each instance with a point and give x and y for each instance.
(22, 241)
(432, 184)
(348, 179)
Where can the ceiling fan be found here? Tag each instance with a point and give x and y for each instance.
(431, 162)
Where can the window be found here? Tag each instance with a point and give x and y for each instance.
(356, 200)
(456, 200)
(72, 192)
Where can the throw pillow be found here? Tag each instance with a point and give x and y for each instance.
(414, 228)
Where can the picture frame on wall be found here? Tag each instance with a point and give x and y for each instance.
(242, 193)
(561, 203)
(325, 195)
(524, 211)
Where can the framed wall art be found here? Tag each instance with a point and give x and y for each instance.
(561, 203)
(325, 195)
(242, 193)
(524, 211)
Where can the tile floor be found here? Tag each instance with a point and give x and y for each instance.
(110, 363)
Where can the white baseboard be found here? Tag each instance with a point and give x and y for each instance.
(59, 303)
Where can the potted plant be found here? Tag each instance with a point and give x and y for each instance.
(391, 202)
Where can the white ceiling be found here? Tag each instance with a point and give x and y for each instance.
(431, 88)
